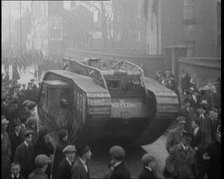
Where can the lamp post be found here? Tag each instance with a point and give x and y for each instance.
(21, 42)
(9, 28)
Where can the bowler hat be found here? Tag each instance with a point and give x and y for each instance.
(69, 148)
(42, 160)
(117, 152)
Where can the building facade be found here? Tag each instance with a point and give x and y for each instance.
(193, 23)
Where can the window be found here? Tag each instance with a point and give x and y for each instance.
(190, 48)
(188, 10)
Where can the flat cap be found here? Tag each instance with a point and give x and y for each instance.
(181, 120)
(69, 148)
(147, 158)
(27, 132)
(117, 152)
(4, 120)
(205, 88)
(187, 135)
(41, 160)
(31, 105)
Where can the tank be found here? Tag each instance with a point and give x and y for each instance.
(95, 99)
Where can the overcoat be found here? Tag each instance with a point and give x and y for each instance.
(63, 170)
(78, 171)
(182, 161)
(173, 139)
(120, 171)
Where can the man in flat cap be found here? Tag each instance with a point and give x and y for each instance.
(181, 160)
(149, 167)
(25, 155)
(6, 148)
(65, 166)
(80, 167)
(120, 170)
(16, 137)
(41, 164)
(61, 144)
(175, 135)
(188, 112)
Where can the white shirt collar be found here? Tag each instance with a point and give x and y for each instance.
(14, 176)
(70, 162)
(196, 130)
(149, 168)
(84, 164)
(116, 164)
(26, 144)
(184, 147)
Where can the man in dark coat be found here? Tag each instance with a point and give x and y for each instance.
(16, 137)
(41, 163)
(80, 169)
(181, 161)
(148, 170)
(6, 148)
(24, 154)
(15, 171)
(175, 135)
(212, 154)
(61, 144)
(194, 99)
(120, 170)
(65, 166)
(188, 112)
(44, 145)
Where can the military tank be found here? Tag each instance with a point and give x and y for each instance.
(95, 99)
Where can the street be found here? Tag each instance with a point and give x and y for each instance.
(100, 158)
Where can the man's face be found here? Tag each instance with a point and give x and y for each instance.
(15, 170)
(181, 126)
(70, 155)
(29, 139)
(18, 128)
(88, 155)
(186, 141)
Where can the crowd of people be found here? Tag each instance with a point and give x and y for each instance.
(194, 146)
(22, 60)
